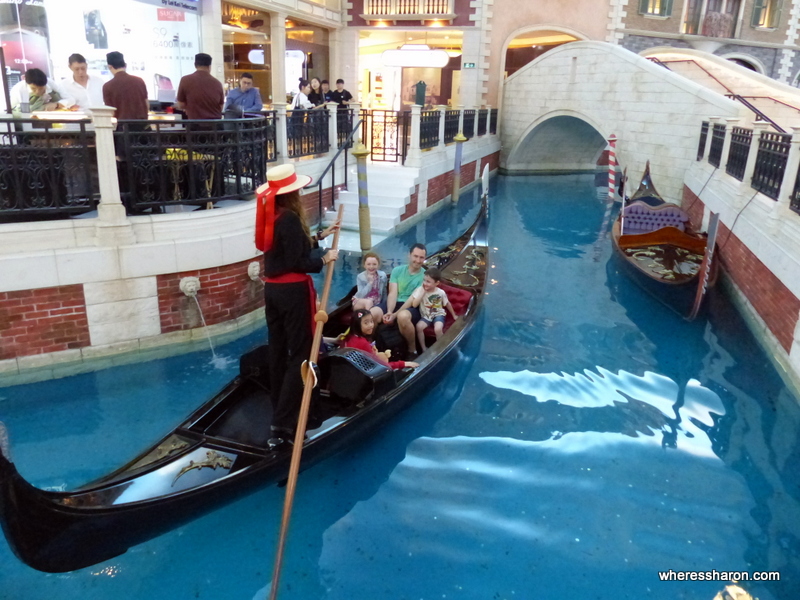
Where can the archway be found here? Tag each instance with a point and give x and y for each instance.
(557, 142)
(527, 45)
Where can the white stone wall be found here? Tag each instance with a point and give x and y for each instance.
(654, 113)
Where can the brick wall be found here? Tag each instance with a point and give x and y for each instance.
(311, 201)
(226, 293)
(42, 321)
(440, 187)
(467, 173)
(777, 306)
(411, 207)
(493, 160)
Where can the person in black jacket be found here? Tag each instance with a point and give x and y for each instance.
(290, 253)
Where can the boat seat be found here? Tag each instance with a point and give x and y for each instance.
(643, 218)
(352, 376)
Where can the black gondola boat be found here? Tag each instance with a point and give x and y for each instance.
(220, 452)
(653, 241)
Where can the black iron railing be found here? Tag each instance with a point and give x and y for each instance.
(717, 140)
(469, 124)
(493, 121)
(48, 169)
(166, 163)
(451, 119)
(307, 132)
(739, 150)
(794, 200)
(482, 114)
(701, 147)
(386, 133)
(429, 129)
(773, 151)
(344, 125)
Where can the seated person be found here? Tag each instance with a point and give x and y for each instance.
(402, 283)
(371, 287)
(245, 98)
(432, 301)
(362, 326)
(39, 92)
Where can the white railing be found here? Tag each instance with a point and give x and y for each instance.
(408, 8)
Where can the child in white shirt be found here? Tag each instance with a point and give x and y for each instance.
(432, 302)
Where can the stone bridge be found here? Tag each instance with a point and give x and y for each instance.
(558, 111)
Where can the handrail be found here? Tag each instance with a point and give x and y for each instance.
(344, 146)
(659, 62)
(707, 72)
(774, 100)
(759, 114)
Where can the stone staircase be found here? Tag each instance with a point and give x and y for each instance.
(389, 187)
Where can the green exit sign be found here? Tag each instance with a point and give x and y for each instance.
(469, 65)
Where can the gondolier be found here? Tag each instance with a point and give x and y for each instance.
(290, 255)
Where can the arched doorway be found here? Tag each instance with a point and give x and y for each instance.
(529, 45)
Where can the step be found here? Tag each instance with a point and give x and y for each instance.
(378, 224)
(400, 202)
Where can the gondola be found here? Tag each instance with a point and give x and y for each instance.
(221, 451)
(657, 248)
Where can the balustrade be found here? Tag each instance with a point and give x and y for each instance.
(773, 150)
(737, 155)
(717, 141)
(429, 129)
(701, 147)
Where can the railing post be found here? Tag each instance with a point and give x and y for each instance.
(442, 116)
(459, 140)
(710, 135)
(281, 133)
(333, 126)
(726, 143)
(758, 128)
(414, 158)
(789, 174)
(475, 122)
(364, 222)
(460, 110)
(113, 226)
(356, 108)
(488, 119)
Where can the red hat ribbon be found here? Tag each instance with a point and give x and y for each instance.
(265, 212)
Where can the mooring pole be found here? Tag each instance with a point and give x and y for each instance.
(364, 224)
(459, 140)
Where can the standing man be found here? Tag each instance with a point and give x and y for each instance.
(340, 95)
(87, 90)
(127, 93)
(402, 283)
(326, 90)
(245, 98)
(200, 94)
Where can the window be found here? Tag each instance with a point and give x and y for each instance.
(656, 8)
(767, 13)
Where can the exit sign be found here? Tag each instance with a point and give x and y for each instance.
(469, 65)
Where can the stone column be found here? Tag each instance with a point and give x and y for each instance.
(442, 113)
(355, 108)
(113, 226)
(726, 143)
(790, 174)
(746, 190)
(711, 122)
(333, 129)
(471, 83)
(211, 38)
(414, 158)
(281, 146)
(488, 119)
(475, 123)
(277, 39)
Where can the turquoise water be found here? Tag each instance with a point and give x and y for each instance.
(588, 439)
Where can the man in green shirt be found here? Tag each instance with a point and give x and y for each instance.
(402, 283)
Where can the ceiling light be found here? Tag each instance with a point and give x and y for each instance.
(453, 53)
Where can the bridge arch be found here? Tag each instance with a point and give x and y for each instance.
(560, 140)
(530, 35)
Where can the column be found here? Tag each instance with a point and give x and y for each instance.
(333, 129)
(488, 118)
(726, 143)
(475, 123)
(355, 108)
(711, 122)
(281, 146)
(211, 36)
(277, 38)
(414, 158)
(113, 226)
(470, 78)
(442, 113)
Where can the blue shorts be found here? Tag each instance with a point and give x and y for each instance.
(415, 316)
(439, 319)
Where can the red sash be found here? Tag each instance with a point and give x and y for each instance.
(299, 278)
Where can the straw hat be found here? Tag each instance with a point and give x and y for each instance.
(283, 179)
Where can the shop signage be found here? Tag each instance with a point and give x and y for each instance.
(169, 14)
(192, 6)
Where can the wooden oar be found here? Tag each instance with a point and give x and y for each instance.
(309, 382)
(705, 266)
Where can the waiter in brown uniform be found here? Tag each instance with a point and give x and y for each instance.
(127, 93)
(200, 94)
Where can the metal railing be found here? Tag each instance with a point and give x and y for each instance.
(717, 140)
(451, 119)
(389, 8)
(344, 125)
(429, 129)
(48, 169)
(482, 114)
(386, 133)
(347, 143)
(493, 121)
(701, 147)
(759, 115)
(307, 132)
(738, 152)
(168, 163)
(773, 151)
(469, 123)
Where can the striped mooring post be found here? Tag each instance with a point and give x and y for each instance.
(612, 167)
(364, 223)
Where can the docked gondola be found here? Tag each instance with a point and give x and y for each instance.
(221, 451)
(657, 247)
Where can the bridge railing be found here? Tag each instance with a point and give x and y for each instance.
(768, 161)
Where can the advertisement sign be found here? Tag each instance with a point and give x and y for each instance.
(191, 6)
(23, 37)
(158, 45)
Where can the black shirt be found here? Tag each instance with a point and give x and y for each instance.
(291, 250)
(340, 97)
(316, 98)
